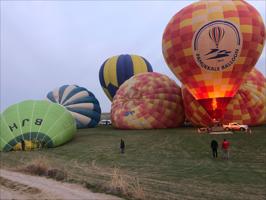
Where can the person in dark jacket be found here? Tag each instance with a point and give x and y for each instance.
(214, 147)
(122, 146)
(22, 145)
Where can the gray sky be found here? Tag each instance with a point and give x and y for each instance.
(45, 45)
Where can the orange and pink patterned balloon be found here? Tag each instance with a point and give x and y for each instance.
(248, 106)
(211, 46)
(148, 101)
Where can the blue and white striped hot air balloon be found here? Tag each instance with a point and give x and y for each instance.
(80, 102)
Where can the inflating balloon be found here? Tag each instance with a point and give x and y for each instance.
(35, 124)
(211, 46)
(80, 102)
(146, 101)
(248, 106)
(117, 69)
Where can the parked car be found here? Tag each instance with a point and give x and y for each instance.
(217, 127)
(234, 126)
(203, 130)
(105, 122)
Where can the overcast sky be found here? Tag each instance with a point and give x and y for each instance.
(45, 45)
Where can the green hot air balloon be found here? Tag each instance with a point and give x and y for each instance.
(35, 124)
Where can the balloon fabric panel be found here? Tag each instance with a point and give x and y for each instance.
(124, 68)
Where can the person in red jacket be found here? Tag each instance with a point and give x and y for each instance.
(225, 148)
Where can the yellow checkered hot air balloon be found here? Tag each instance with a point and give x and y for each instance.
(117, 69)
(211, 46)
(146, 101)
(248, 106)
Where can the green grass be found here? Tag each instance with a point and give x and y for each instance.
(170, 164)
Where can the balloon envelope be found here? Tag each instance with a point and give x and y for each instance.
(37, 123)
(248, 106)
(117, 69)
(80, 102)
(210, 46)
(146, 101)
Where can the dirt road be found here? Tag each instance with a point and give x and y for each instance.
(17, 186)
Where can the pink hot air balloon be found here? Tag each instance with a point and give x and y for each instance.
(147, 101)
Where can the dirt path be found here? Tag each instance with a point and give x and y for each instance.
(14, 185)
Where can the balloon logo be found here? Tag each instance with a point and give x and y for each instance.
(211, 46)
(216, 34)
(228, 46)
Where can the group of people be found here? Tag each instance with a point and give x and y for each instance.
(34, 144)
(214, 147)
(225, 149)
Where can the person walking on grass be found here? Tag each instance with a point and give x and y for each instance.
(122, 146)
(214, 147)
(225, 148)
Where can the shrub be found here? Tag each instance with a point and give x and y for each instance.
(125, 185)
(57, 174)
(38, 167)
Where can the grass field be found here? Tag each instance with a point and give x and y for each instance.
(159, 164)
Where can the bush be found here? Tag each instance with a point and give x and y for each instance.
(37, 167)
(40, 167)
(57, 174)
(124, 185)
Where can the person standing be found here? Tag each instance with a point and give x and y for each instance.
(225, 148)
(214, 147)
(22, 145)
(122, 146)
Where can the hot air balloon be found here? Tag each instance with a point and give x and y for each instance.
(35, 124)
(216, 34)
(80, 102)
(211, 46)
(147, 101)
(248, 106)
(117, 69)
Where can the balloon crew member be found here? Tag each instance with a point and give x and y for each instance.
(122, 146)
(43, 144)
(22, 145)
(214, 147)
(225, 148)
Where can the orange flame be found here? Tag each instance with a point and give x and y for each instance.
(214, 104)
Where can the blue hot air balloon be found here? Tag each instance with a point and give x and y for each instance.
(80, 102)
(117, 69)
